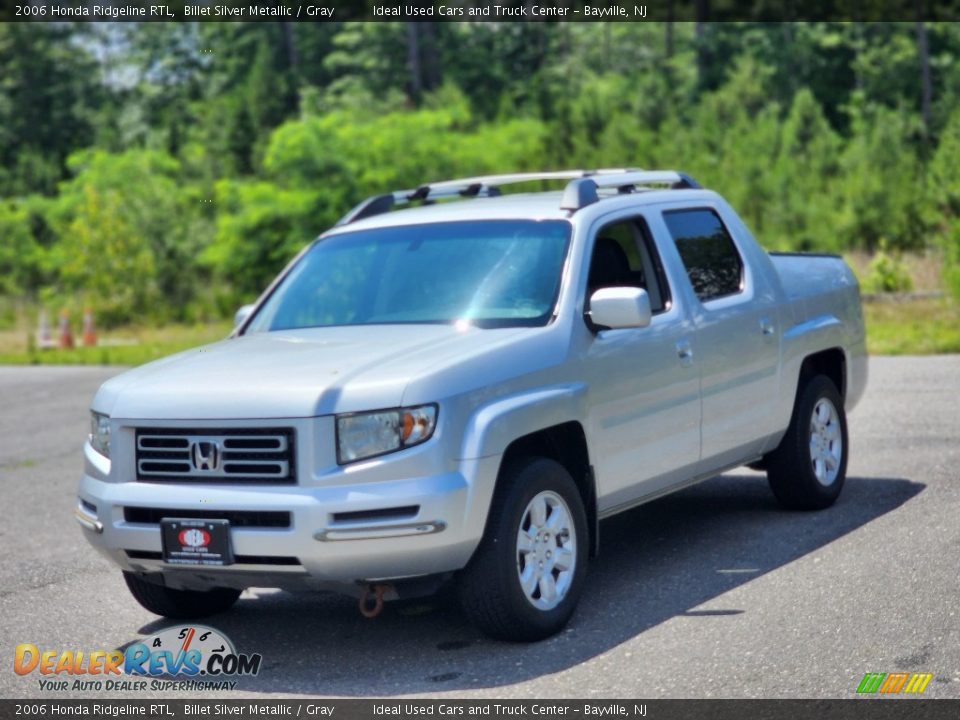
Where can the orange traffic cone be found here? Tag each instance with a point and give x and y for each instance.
(44, 336)
(66, 336)
(89, 332)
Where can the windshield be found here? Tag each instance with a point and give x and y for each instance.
(501, 273)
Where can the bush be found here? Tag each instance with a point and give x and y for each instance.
(887, 273)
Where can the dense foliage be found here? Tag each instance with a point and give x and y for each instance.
(169, 170)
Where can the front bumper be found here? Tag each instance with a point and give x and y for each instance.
(338, 534)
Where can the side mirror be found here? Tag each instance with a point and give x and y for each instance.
(620, 307)
(242, 314)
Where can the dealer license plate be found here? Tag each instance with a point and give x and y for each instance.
(196, 542)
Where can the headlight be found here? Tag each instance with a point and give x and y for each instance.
(100, 433)
(364, 435)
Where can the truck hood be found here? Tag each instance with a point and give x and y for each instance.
(292, 373)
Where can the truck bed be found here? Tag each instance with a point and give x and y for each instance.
(822, 296)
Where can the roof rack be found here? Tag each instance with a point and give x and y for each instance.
(581, 190)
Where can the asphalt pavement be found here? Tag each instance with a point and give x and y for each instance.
(711, 592)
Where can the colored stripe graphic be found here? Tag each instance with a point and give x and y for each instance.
(918, 683)
(894, 682)
(871, 683)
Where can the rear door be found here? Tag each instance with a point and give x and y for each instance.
(735, 315)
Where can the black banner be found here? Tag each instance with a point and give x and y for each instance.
(478, 10)
(860, 708)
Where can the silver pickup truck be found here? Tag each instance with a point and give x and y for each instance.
(461, 390)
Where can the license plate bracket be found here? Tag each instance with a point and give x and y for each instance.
(188, 541)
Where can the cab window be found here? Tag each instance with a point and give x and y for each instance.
(624, 256)
(707, 251)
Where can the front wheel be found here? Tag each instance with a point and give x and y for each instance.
(808, 468)
(525, 579)
(179, 604)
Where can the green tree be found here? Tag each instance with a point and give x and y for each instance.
(129, 234)
(20, 255)
(883, 182)
(944, 191)
(49, 89)
(805, 201)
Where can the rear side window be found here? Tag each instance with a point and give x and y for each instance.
(708, 253)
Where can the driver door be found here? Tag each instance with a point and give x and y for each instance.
(644, 383)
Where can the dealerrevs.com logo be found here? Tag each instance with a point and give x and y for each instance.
(190, 657)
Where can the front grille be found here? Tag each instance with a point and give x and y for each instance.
(225, 456)
(237, 518)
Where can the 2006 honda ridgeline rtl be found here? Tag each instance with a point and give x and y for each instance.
(461, 390)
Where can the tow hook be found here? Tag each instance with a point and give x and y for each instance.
(373, 594)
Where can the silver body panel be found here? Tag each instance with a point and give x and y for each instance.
(705, 387)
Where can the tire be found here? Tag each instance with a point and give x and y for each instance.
(808, 468)
(180, 604)
(490, 587)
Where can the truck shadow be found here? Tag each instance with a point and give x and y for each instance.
(657, 562)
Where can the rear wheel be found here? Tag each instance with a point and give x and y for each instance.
(180, 604)
(808, 468)
(525, 579)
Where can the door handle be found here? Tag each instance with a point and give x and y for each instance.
(685, 353)
(766, 327)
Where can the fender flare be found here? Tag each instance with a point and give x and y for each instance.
(492, 428)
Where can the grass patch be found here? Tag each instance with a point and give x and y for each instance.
(28, 463)
(914, 327)
(124, 346)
